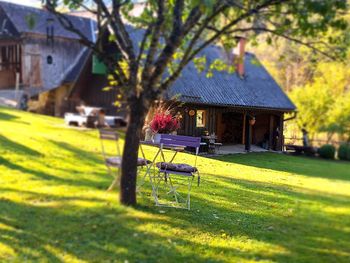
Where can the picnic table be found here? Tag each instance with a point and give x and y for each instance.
(211, 141)
(87, 116)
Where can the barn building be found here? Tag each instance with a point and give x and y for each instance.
(39, 57)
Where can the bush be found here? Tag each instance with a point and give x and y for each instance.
(327, 151)
(344, 152)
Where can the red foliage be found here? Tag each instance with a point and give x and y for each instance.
(164, 123)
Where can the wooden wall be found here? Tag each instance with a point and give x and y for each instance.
(188, 123)
(89, 89)
(35, 69)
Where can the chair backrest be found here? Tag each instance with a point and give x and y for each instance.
(179, 140)
(109, 135)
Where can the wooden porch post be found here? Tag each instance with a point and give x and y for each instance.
(243, 131)
(247, 134)
(281, 137)
(271, 132)
(219, 125)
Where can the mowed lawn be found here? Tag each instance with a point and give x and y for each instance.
(252, 207)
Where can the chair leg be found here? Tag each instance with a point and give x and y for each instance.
(155, 185)
(172, 188)
(190, 181)
(115, 181)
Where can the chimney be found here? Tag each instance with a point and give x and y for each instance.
(239, 55)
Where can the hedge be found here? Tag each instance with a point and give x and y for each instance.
(344, 152)
(327, 151)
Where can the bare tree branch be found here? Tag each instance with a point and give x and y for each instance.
(191, 55)
(310, 45)
(154, 40)
(143, 43)
(68, 25)
(173, 42)
(122, 29)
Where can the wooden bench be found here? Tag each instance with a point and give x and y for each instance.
(299, 149)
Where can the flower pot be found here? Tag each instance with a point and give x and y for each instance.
(148, 134)
(156, 137)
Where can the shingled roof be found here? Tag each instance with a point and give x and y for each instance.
(19, 14)
(257, 89)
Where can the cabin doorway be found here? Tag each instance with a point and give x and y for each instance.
(230, 128)
(10, 65)
(35, 70)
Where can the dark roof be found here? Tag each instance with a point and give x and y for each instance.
(19, 14)
(256, 90)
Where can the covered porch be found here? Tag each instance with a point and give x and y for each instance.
(238, 129)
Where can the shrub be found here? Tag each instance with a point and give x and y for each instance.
(327, 151)
(344, 152)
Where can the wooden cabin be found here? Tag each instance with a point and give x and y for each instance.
(246, 107)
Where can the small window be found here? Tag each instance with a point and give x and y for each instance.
(200, 118)
(34, 98)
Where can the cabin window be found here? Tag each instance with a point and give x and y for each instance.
(200, 118)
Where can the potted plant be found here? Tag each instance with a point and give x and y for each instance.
(163, 123)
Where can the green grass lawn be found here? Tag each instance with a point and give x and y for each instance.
(252, 207)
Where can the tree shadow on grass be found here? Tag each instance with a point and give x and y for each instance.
(83, 156)
(308, 166)
(278, 192)
(55, 179)
(10, 117)
(37, 197)
(6, 116)
(77, 176)
(8, 145)
(98, 234)
(265, 213)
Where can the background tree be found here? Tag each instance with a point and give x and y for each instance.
(324, 102)
(174, 34)
(291, 65)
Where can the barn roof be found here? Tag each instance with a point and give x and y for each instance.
(257, 89)
(19, 15)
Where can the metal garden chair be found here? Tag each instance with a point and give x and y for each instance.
(181, 171)
(114, 162)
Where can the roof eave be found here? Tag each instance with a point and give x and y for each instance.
(243, 106)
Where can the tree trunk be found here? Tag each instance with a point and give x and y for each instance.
(137, 115)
